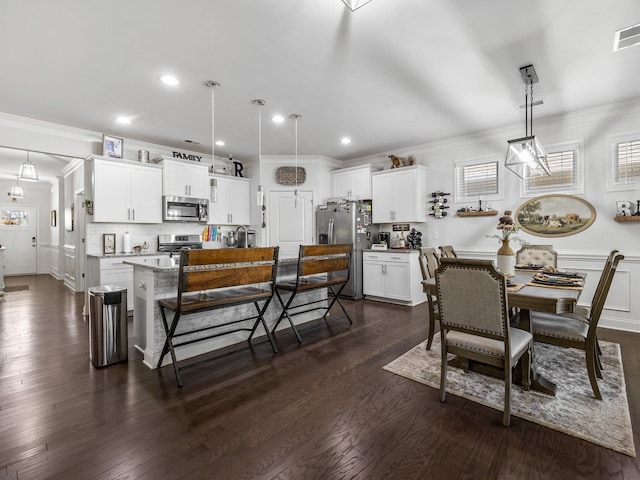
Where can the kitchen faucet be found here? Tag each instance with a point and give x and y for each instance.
(246, 237)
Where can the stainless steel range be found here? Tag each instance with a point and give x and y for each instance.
(173, 243)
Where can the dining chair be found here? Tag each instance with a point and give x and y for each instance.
(447, 251)
(543, 255)
(474, 322)
(571, 330)
(429, 262)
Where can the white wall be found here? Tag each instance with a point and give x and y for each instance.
(586, 250)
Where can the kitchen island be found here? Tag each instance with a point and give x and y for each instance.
(157, 278)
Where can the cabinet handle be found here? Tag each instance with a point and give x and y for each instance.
(134, 214)
(128, 214)
(189, 189)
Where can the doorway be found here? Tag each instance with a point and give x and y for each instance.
(19, 234)
(290, 227)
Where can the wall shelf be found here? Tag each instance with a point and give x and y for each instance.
(627, 218)
(488, 213)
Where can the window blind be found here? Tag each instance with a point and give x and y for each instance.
(476, 180)
(564, 173)
(627, 163)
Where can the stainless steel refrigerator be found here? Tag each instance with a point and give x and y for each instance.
(347, 222)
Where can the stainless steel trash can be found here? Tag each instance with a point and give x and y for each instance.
(108, 337)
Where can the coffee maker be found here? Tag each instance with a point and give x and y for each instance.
(383, 237)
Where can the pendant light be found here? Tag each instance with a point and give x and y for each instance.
(260, 194)
(296, 193)
(355, 4)
(525, 156)
(17, 191)
(28, 171)
(213, 183)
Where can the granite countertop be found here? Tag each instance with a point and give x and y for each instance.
(392, 250)
(126, 255)
(164, 264)
(167, 264)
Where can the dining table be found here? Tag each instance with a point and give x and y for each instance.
(524, 295)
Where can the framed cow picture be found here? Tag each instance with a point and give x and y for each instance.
(555, 215)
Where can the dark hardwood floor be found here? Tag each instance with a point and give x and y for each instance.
(321, 410)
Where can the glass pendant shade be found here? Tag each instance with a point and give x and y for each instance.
(355, 4)
(260, 196)
(17, 191)
(28, 171)
(526, 157)
(213, 190)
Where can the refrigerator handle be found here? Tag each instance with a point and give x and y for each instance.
(330, 232)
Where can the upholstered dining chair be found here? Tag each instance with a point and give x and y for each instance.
(474, 322)
(543, 255)
(447, 251)
(429, 262)
(576, 331)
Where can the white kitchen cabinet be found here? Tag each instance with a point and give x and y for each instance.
(110, 271)
(123, 191)
(399, 195)
(233, 205)
(352, 183)
(393, 277)
(185, 179)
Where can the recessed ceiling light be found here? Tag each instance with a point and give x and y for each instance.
(277, 119)
(123, 121)
(169, 80)
(220, 143)
(345, 141)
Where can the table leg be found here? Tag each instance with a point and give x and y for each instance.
(539, 382)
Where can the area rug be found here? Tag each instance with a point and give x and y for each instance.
(573, 410)
(16, 288)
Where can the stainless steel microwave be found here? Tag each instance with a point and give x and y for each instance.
(184, 209)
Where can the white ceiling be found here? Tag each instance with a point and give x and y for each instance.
(393, 74)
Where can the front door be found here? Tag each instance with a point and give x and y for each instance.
(18, 233)
(290, 227)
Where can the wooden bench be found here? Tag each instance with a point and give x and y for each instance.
(218, 278)
(319, 266)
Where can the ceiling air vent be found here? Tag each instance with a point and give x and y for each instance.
(627, 37)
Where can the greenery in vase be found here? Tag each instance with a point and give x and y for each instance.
(507, 229)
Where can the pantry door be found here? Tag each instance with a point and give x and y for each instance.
(18, 233)
(290, 227)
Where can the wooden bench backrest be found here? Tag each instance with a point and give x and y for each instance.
(316, 259)
(230, 267)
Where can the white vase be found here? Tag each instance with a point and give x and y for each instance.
(506, 262)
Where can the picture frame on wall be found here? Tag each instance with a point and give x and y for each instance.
(109, 243)
(555, 215)
(112, 146)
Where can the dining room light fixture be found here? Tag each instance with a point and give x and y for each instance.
(355, 4)
(17, 191)
(296, 192)
(260, 194)
(28, 171)
(526, 156)
(213, 183)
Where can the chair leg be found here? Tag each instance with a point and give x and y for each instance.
(525, 366)
(506, 416)
(443, 366)
(432, 320)
(591, 370)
